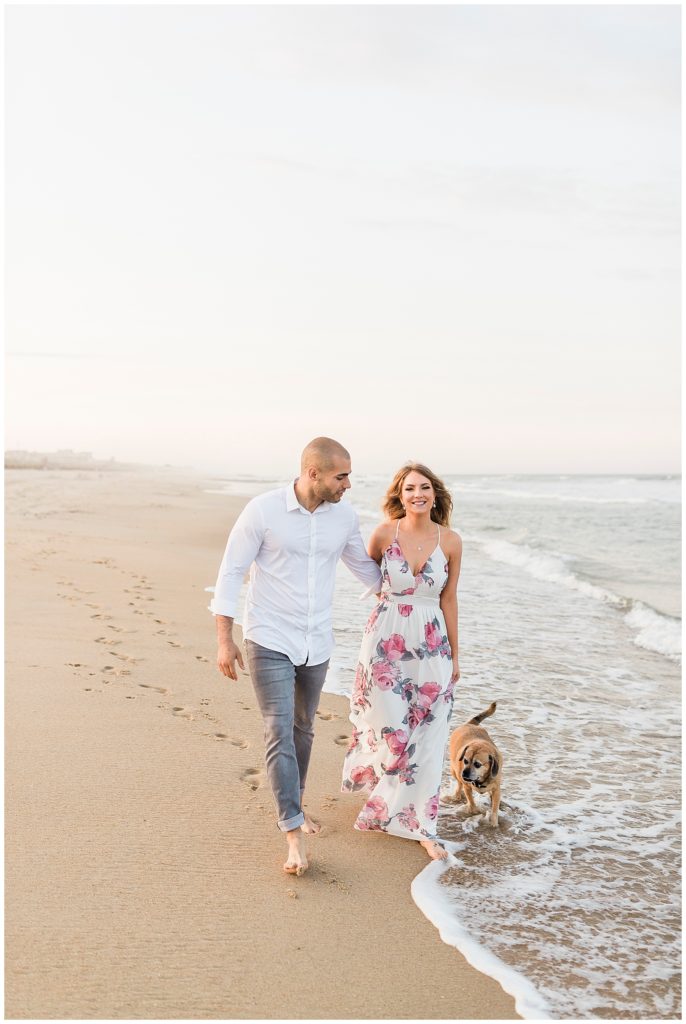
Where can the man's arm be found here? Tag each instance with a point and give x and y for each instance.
(242, 547)
(355, 557)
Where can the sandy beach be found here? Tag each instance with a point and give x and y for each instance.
(143, 865)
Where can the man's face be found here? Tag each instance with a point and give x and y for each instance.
(332, 483)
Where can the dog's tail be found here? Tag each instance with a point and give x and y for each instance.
(478, 719)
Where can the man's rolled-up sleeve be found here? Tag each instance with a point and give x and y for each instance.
(355, 557)
(242, 547)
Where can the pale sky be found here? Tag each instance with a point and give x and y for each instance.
(446, 233)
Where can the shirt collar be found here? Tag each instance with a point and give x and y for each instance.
(292, 502)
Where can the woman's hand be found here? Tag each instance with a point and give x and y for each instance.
(456, 671)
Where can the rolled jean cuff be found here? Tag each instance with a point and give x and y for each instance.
(292, 823)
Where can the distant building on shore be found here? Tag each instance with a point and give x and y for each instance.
(65, 458)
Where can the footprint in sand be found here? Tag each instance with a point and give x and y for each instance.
(199, 657)
(342, 741)
(157, 689)
(183, 713)
(109, 643)
(99, 615)
(235, 741)
(326, 716)
(172, 644)
(253, 778)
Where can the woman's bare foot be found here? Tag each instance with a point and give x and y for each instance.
(434, 849)
(296, 862)
(310, 827)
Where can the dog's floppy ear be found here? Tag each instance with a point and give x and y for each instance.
(461, 757)
(495, 767)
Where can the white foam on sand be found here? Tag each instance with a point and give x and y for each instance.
(430, 897)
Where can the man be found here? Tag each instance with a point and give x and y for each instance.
(293, 537)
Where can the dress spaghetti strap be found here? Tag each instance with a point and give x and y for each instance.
(396, 529)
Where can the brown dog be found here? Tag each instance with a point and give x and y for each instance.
(475, 764)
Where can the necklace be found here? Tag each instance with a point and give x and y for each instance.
(419, 547)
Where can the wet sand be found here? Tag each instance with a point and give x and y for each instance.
(143, 865)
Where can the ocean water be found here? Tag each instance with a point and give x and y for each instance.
(569, 603)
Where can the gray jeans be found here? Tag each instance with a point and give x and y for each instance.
(288, 696)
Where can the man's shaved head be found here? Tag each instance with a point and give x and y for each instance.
(321, 453)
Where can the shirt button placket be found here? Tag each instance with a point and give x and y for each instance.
(310, 582)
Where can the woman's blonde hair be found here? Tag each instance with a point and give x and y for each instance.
(393, 507)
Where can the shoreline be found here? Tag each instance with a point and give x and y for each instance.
(143, 865)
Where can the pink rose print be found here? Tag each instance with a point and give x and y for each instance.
(373, 814)
(416, 716)
(396, 740)
(383, 675)
(401, 763)
(433, 636)
(431, 809)
(394, 554)
(408, 590)
(359, 697)
(408, 818)
(364, 775)
(353, 739)
(405, 609)
(394, 647)
(428, 694)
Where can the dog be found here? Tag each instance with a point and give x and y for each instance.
(476, 764)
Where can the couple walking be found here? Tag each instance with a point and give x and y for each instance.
(292, 539)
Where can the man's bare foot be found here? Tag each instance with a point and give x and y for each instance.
(296, 862)
(310, 827)
(434, 849)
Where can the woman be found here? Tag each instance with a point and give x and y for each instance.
(403, 693)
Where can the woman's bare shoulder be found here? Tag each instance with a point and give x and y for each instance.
(451, 542)
(384, 530)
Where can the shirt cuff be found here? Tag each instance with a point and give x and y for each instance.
(219, 606)
(374, 589)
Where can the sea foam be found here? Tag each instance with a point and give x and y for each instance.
(430, 897)
(654, 630)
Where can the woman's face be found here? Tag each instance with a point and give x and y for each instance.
(417, 493)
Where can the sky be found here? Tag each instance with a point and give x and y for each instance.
(445, 233)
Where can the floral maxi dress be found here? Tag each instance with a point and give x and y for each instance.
(402, 700)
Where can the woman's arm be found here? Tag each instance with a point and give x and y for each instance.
(379, 540)
(452, 545)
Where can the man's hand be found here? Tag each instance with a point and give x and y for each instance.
(228, 654)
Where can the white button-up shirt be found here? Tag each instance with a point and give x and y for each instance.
(293, 555)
